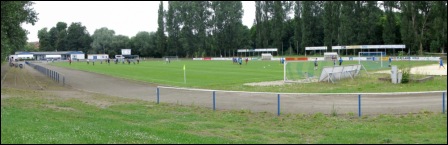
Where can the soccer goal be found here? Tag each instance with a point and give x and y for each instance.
(171, 58)
(371, 60)
(299, 71)
(266, 56)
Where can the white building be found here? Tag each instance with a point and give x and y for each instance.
(62, 55)
(97, 56)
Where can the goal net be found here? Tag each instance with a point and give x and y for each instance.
(300, 71)
(371, 60)
(266, 56)
(171, 58)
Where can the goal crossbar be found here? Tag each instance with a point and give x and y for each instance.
(381, 56)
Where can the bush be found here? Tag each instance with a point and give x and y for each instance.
(406, 71)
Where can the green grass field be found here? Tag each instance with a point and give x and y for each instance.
(223, 75)
(38, 117)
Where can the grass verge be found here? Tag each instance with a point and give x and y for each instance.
(41, 117)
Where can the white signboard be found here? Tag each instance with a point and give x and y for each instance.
(125, 51)
(316, 48)
(369, 47)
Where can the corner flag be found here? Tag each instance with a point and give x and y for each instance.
(185, 75)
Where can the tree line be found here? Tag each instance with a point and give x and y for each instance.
(214, 28)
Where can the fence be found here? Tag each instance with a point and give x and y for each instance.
(307, 103)
(56, 76)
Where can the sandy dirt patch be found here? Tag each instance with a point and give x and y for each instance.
(424, 70)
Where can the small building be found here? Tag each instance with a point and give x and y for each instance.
(24, 55)
(45, 55)
(97, 56)
(76, 55)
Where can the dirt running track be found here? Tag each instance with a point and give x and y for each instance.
(371, 104)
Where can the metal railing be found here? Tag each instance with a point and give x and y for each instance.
(54, 75)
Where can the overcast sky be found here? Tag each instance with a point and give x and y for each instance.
(125, 18)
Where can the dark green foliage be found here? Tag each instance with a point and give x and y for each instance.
(214, 28)
(13, 36)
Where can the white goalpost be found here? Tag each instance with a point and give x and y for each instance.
(176, 58)
(373, 58)
(299, 71)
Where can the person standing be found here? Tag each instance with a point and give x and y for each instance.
(334, 60)
(240, 61)
(441, 63)
(315, 64)
(340, 61)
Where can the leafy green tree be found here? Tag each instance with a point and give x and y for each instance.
(389, 36)
(101, 40)
(161, 38)
(415, 21)
(438, 27)
(307, 30)
(331, 22)
(44, 40)
(78, 38)
(298, 27)
(13, 36)
(277, 26)
(144, 43)
(119, 42)
(173, 29)
(61, 42)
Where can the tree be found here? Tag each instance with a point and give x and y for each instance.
(101, 40)
(161, 38)
(13, 36)
(78, 38)
(331, 22)
(389, 36)
(297, 27)
(144, 43)
(278, 21)
(44, 40)
(173, 29)
(438, 28)
(227, 26)
(258, 25)
(416, 15)
(119, 42)
(307, 24)
(61, 42)
(346, 30)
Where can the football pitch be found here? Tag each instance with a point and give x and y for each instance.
(224, 75)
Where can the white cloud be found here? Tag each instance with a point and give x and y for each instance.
(124, 17)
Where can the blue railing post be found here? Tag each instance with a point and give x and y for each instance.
(443, 102)
(214, 101)
(158, 93)
(359, 105)
(278, 104)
